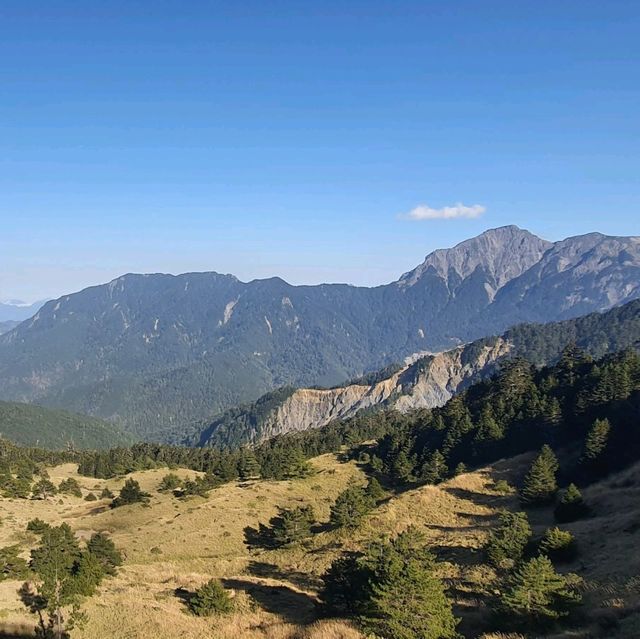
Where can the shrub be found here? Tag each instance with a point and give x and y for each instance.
(106, 494)
(170, 482)
(209, 599)
(90, 497)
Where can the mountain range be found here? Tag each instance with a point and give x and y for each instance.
(156, 353)
(426, 382)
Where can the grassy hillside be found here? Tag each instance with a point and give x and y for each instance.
(48, 428)
(173, 546)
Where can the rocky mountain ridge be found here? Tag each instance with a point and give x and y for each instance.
(423, 382)
(158, 352)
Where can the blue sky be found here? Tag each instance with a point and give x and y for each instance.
(293, 138)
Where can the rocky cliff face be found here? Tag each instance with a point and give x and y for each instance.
(428, 382)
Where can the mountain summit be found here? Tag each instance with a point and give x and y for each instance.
(153, 352)
(503, 254)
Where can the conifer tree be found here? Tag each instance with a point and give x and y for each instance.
(43, 489)
(350, 508)
(130, 493)
(374, 492)
(540, 484)
(435, 469)
(570, 506)
(210, 599)
(292, 525)
(595, 446)
(537, 594)
(507, 543)
(407, 600)
(248, 467)
(105, 551)
(558, 545)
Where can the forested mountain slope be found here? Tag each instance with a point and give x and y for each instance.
(156, 352)
(426, 383)
(30, 425)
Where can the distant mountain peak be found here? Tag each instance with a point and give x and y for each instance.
(504, 253)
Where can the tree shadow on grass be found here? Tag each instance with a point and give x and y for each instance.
(10, 631)
(480, 499)
(460, 555)
(293, 606)
(301, 580)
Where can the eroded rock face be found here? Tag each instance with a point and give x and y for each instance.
(426, 383)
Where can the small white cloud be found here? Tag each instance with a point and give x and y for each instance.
(425, 212)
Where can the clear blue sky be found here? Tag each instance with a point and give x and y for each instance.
(289, 138)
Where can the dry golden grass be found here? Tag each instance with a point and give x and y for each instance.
(174, 545)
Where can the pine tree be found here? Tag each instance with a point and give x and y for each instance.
(55, 563)
(70, 486)
(350, 508)
(43, 489)
(571, 506)
(537, 594)
(248, 467)
(346, 584)
(169, 482)
(374, 492)
(12, 566)
(210, 599)
(595, 446)
(292, 525)
(407, 599)
(558, 545)
(130, 493)
(540, 484)
(402, 467)
(105, 551)
(435, 469)
(507, 543)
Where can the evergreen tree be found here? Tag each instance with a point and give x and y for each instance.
(70, 486)
(558, 545)
(292, 525)
(346, 584)
(570, 506)
(12, 566)
(130, 493)
(507, 543)
(248, 467)
(55, 562)
(210, 599)
(350, 508)
(537, 594)
(374, 492)
(435, 469)
(43, 489)
(540, 484)
(105, 551)
(595, 446)
(407, 599)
